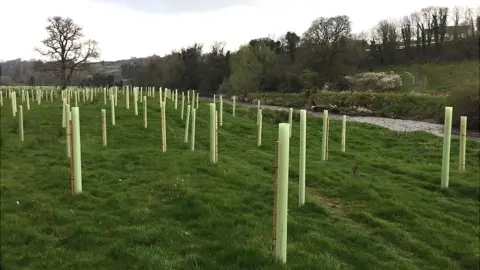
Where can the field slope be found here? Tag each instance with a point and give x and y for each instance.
(144, 209)
(438, 78)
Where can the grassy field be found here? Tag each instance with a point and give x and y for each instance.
(144, 209)
(439, 78)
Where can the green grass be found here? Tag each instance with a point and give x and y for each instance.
(176, 210)
(407, 81)
(439, 78)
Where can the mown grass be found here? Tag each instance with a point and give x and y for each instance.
(144, 209)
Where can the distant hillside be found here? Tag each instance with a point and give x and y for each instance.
(437, 77)
(110, 68)
(20, 71)
(426, 78)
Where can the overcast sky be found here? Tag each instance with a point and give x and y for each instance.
(139, 28)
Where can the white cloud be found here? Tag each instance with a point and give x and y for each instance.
(123, 33)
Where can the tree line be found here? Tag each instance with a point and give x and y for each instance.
(324, 53)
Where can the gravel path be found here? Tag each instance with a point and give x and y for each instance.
(390, 123)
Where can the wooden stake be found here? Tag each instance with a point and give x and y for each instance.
(162, 111)
(275, 184)
(216, 136)
(328, 130)
(72, 175)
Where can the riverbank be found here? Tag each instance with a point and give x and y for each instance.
(401, 125)
(398, 105)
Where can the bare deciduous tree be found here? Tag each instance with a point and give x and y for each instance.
(387, 31)
(456, 17)
(469, 21)
(477, 11)
(406, 30)
(325, 35)
(65, 48)
(420, 30)
(428, 23)
(443, 22)
(218, 47)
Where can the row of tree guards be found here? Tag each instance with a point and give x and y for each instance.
(73, 133)
(281, 167)
(71, 123)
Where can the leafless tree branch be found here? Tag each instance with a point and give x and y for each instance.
(65, 49)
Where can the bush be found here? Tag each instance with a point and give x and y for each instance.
(345, 82)
(311, 79)
(377, 81)
(465, 102)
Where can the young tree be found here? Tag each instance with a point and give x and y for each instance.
(66, 49)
